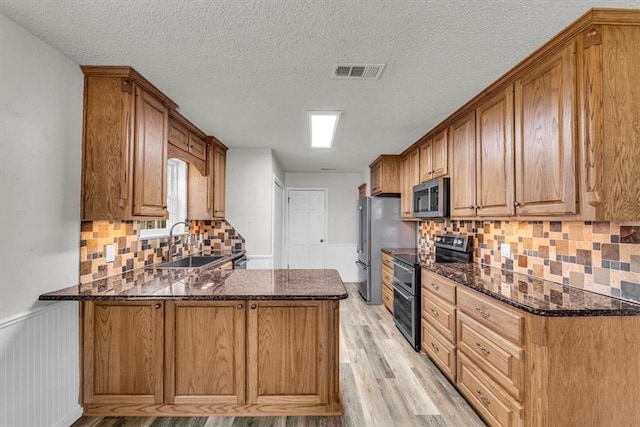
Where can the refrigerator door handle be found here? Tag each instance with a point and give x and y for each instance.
(362, 265)
(360, 236)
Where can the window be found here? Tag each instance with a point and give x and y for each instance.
(176, 203)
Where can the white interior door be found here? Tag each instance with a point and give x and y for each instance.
(278, 224)
(306, 217)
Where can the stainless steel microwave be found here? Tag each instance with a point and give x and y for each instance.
(431, 199)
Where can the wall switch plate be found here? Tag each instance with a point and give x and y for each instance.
(505, 250)
(110, 253)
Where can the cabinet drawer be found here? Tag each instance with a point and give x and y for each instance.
(387, 260)
(437, 285)
(439, 349)
(387, 297)
(441, 315)
(492, 402)
(498, 357)
(506, 322)
(197, 146)
(387, 275)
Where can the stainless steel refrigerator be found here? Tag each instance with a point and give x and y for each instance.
(379, 226)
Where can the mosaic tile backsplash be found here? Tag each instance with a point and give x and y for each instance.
(132, 253)
(602, 257)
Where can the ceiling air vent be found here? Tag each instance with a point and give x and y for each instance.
(357, 71)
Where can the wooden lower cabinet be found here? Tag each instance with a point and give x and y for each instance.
(123, 352)
(520, 369)
(288, 347)
(205, 365)
(180, 358)
(387, 281)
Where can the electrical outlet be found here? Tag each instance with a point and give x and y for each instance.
(109, 253)
(505, 250)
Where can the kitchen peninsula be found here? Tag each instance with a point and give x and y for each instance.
(210, 342)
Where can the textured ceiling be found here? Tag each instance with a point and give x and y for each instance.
(248, 70)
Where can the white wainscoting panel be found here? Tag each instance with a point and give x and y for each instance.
(258, 262)
(342, 257)
(39, 367)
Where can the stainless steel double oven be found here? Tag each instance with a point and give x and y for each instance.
(406, 297)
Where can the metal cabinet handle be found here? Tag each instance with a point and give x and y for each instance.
(482, 397)
(472, 207)
(482, 349)
(435, 286)
(239, 306)
(483, 313)
(253, 306)
(435, 313)
(516, 204)
(435, 347)
(157, 306)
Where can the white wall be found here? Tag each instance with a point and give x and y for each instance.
(249, 198)
(342, 199)
(40, 162)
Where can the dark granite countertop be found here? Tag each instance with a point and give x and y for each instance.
(530, 294)
(209, 284)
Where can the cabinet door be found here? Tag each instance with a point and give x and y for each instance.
(123, 352)
(198, 197)
(178, 135)
(426, 160)
(463, 165)
(494, 146)
(205, 360)
(197, 146)
(545, 127)
(440, 155)
(288, 352)
(219, 182)
(406, 196)
(150, 166)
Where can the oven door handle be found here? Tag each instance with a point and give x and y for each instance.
(398, 288)
(405, 268)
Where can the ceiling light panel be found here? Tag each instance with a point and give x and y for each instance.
(322, 125)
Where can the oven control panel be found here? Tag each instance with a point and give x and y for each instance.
(453, 242)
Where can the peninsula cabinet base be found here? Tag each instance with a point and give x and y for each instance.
(198, 358)
(120, 410)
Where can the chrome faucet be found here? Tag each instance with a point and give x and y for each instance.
(171, 245)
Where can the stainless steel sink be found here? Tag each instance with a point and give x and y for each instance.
(188, 262)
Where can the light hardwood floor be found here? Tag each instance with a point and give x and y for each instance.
(382, 380)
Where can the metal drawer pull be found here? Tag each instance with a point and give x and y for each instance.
(435, 313)
(482, 313)
(436, 287)
(435, 347)
(482, 398)
(482, 349)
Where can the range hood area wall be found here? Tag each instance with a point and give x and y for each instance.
(602, 257)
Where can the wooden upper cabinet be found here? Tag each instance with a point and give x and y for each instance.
(124, 156)
(288, 344)
(494, 154)
(123, 348)
(206, 193)
(545, 137)
(187, 142)
(610, 134)
(463, 166)
(362, 190)
(205, 365)
(409, 176)
(150, 154)
(434, 156)
(218, 175)
(385, 175)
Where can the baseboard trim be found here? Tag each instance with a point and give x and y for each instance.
(70, 418)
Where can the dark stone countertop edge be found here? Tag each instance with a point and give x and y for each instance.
(549, 313)
(46, 297)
